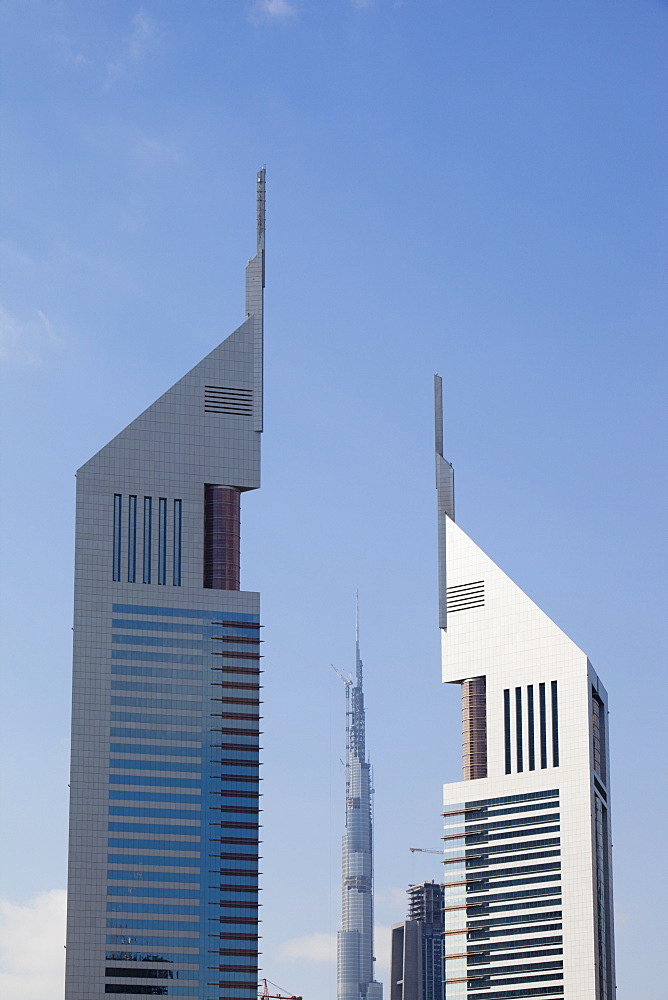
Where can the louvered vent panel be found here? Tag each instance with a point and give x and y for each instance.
(466, 595)
(225, 399)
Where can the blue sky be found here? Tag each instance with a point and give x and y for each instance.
(474, 188)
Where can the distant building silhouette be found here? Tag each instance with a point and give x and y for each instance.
(417, 946)
(355, 960)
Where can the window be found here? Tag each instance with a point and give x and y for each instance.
(132, 540)
(543, 725)
(147, 538)
(506, 727)
(118, 500)
(598, 734)
(162, 541)
(532, 750)
(518, 729)
(555, 726)
(177, 543)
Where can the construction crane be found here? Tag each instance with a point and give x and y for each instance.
(424, 850)
(283, 995)
(346, 680)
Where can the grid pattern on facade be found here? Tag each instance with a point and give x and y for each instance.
(503, 916)
(182, 878)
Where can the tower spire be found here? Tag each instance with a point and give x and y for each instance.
(255, 301)
(445, 498)
(355, 941)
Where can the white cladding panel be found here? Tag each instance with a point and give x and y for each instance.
(514, 645)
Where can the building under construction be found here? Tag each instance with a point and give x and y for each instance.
(355, 979)
(417, 946)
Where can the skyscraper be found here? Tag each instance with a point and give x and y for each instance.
(163, 861)
(355, 940)
(417, 946)
(528, 886)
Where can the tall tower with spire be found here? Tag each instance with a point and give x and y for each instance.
(163, 860)
(528, 866)
(355, 979)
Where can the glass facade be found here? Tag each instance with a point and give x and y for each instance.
(526, 914)
(199, 793)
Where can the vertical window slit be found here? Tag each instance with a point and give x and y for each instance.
(598, 735)
(506, 727)
(147, 539)
(555, 726)
(543, 725)
(162, 541)
(518, 729)
(118, 500)
(132, 540)
(532, 747)
(176, 563)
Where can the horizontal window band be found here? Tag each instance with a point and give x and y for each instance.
(485, 877)
(136, 609)
(158, 657)
(170, 750)
(553, 890)
(511, 824)
(485, 859)
(253, 702)
(515, 956)
(551, 793)
(482, 951)
(234, 655)
(524, 919)
(481, 979)
(518, 981)
(482, 909)
(485, 934)
(485, 815)
(503, 824)
(505, 834)
(137, 973)
(238, 793)
(246, 624)
(250, 669)
(140, 924)
(543, 991)
(237, 639)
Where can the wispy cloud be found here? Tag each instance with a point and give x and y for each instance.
(321, 947)
(382, 946)
(274, 10)
(318, 947)
(141, 38)
(32, 952)
(24, 342)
